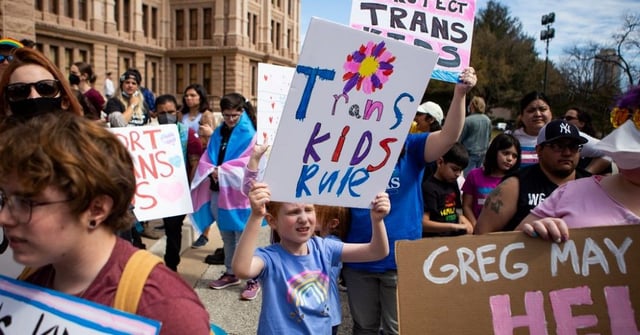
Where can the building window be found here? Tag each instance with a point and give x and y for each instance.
(206, 80)
(252, 27)
(126, 16)
(193, 73)
(289, 39)
(193, 24)
(278, 35)
(53, 55)
(254, 78)
(154, 22)
(207, 22)
(179, 25)
(54, 6)
(145, 20)
(39, 5)
(180, 77)
(68, 58)
(116, 14)
(289, 7)
(273, 30)
(84, 56)
(82, 10)
(68, 8)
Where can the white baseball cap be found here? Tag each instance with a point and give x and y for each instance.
(432, 109)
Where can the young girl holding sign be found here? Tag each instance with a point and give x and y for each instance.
(300, 262)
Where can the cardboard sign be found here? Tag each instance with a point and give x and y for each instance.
(444, 26)
(273, 85)
(352, 100)
(28, 309)
(509, 283)
(161, 174)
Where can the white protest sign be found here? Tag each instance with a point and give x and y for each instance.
(444, 26)
(273, 85)
(28, 309)
(161, 175)
(352, 100)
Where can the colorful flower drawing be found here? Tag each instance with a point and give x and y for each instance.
(368, 68)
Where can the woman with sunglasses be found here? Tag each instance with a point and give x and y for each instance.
(581, 119)
(32, 85)
(65, 187)
(597, 201)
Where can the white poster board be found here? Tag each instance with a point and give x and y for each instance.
(28, 309)
(348, 111)
(161, 174)
(444, 26)
(273, 85)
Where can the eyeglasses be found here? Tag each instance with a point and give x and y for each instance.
(8, 58)
(47, 88)
(569, 118)
(561, 147)
(231, 116)
(621, 115)
(21, 207)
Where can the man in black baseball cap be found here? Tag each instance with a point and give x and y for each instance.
(558, 148)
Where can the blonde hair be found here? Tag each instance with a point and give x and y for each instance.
(478, 104)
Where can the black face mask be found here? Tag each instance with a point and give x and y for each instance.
(166, 118)
(26, 109)
(74, 79)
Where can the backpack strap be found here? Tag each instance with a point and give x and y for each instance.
(132, 281)
(26, 272)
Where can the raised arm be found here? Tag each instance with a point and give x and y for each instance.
(245, 264)
(378, 247)
(439, 142)
(500, 206)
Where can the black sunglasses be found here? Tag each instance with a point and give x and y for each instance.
(47, 88)
(9, 58)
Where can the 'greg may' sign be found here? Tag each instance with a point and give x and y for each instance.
(509, 283)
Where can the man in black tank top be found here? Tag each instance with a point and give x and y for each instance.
(558, 148)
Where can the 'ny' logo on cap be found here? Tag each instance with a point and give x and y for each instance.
(565, 128)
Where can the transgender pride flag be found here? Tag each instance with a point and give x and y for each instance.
(233, 206)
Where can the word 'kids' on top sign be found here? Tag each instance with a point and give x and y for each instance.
(444, 26)
(509, 283)
(350, 106)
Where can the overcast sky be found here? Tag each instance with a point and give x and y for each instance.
(577, 21)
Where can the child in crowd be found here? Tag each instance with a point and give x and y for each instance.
(299, 262)
(501, 159)
(332, 224)
(442, 206)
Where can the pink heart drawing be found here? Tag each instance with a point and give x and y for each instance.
(266, 77)
(273, 105)
(171, 191)
(270, 119)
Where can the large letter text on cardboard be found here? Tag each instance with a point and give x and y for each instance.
(352, 100)
(445, 26)
(509, 283)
